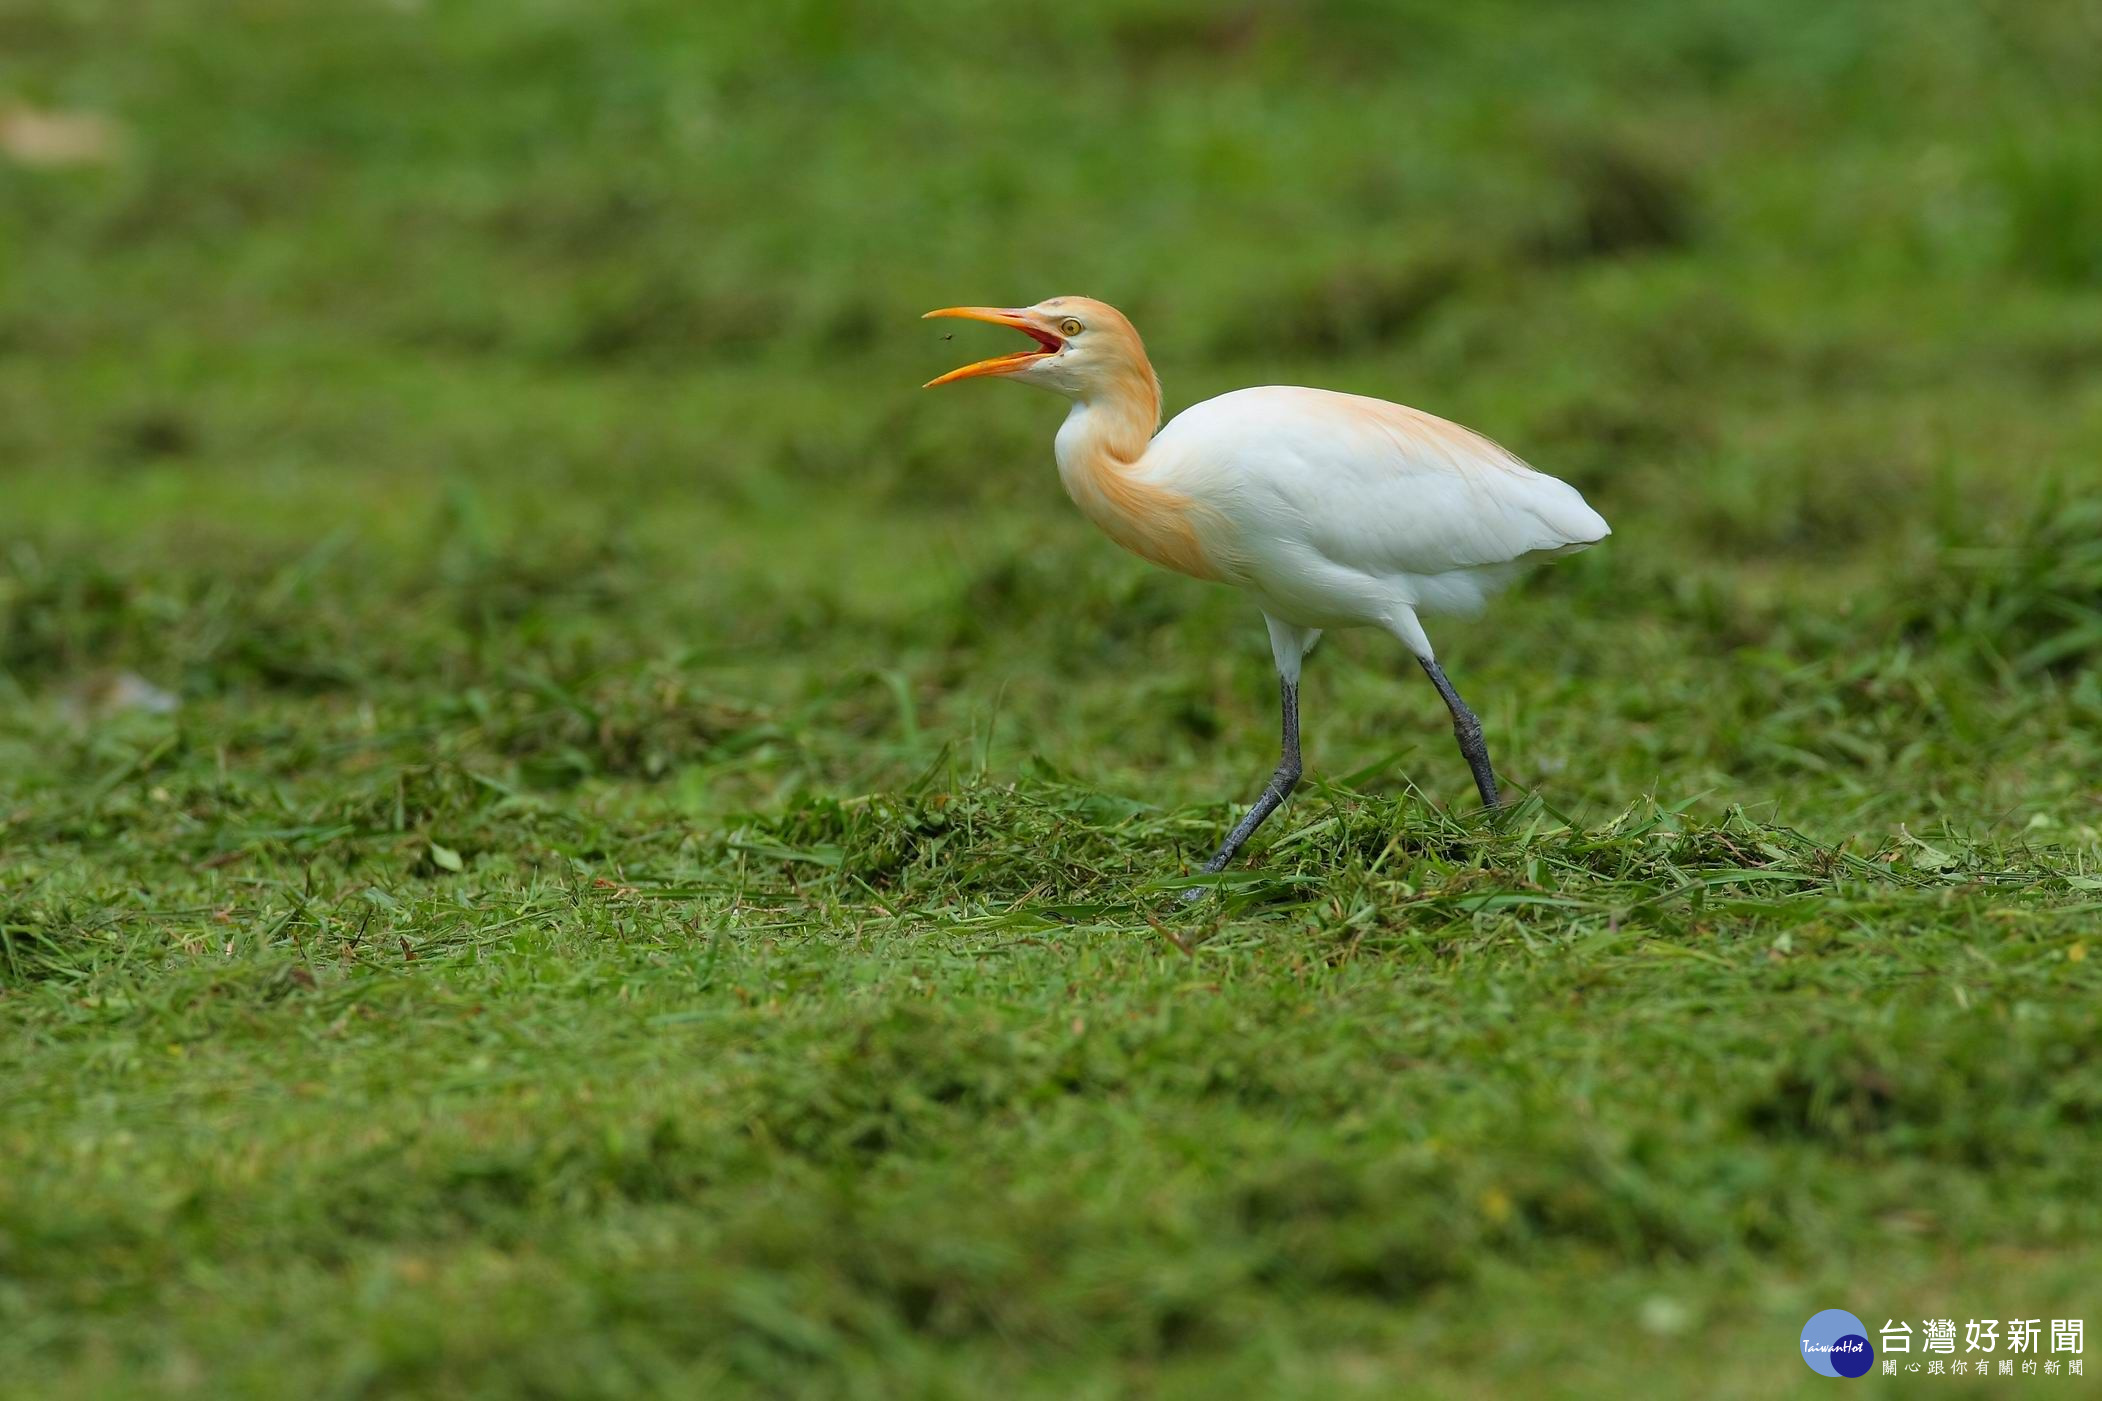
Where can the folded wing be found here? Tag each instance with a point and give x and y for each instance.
(1376, 486)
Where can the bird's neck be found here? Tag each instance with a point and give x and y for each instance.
(1101, 442)
(1101, 452)
(1111, 427)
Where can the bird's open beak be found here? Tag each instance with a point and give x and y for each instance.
(1000, 364)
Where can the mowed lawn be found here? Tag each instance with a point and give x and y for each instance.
(566, 831)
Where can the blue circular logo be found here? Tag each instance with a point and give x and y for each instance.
(1835, 1344)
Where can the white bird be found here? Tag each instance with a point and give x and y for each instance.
(1330, 510)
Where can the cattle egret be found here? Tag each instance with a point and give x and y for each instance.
(1330, 510)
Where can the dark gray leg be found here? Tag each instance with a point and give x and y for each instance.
(1275, 791)
(1467, 730)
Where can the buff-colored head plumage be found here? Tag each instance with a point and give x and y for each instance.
(1086, 350)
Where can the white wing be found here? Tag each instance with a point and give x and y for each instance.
(1367, 485)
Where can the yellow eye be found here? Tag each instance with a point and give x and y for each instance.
(1069, 327)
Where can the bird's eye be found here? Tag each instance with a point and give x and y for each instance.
(1069, 327)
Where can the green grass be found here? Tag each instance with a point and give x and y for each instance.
(662, 876)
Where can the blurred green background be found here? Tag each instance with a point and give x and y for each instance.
(558, 812)
(1793, 293)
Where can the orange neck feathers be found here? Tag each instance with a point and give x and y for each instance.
(1101, 459)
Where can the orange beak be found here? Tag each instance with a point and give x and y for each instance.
(999, 364)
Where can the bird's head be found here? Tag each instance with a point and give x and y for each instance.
(1084, 349)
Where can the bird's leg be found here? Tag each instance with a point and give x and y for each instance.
(1280, 786)
(1467, 729)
